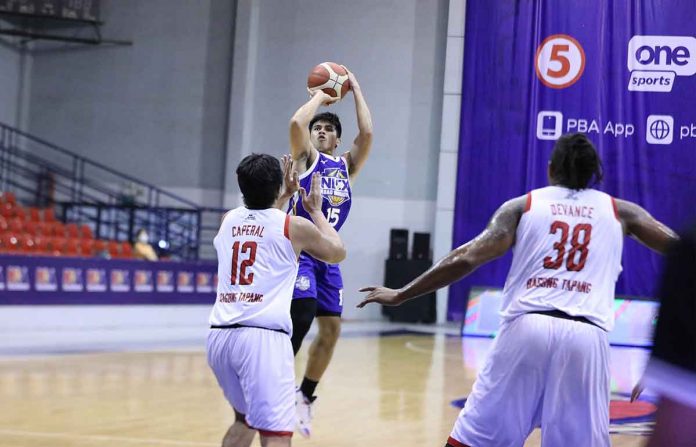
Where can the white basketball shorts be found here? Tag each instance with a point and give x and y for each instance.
(542, 371)
(256, 370)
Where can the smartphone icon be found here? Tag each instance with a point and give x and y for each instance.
(549, 125)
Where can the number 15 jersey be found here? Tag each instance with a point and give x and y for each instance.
(335, 189)
(257, 267)
(567, 256)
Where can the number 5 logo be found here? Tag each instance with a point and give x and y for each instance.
(560, 61)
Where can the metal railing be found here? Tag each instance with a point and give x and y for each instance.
(87, 192)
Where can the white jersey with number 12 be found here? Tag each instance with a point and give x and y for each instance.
(257, 267)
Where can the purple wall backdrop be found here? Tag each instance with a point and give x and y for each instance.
(643, 87)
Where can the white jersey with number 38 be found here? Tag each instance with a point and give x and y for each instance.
(257, 268)
(567, 256)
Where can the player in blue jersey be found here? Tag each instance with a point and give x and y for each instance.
(318, 292)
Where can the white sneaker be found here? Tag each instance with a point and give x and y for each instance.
(303, 408)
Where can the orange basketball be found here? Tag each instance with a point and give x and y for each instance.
(329, 77)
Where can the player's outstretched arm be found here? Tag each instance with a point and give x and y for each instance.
(300, 145)
(363, 142)
(492, 243)
(640, 225)
(319, 239)
(291, 182)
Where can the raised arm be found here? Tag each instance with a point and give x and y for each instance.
(492, 243)
(319, 239)
(362, 144)
(640, 225)
(300, 145)
(291, 182)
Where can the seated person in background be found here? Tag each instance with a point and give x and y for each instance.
(142, 248)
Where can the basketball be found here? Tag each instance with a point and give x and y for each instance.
(329, 77)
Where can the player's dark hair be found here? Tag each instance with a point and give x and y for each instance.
(259, 177)
(575, 163)
(329, 118)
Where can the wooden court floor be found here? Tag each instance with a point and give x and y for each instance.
(394, 390)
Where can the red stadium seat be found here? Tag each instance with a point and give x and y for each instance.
(48, 215)
(42, 245)
(114, 249)
(126, 250)
(72, 231)
(7, 210)
(10, 243)
(58, 229)
(87, 247)
(9, 197)
(34, 214)
(16, 226)
(58, 245)
(86, 232)
(72, 247)
(99, 247)
(44, 228)
(32, 228)
(20, 213)
(27, 244)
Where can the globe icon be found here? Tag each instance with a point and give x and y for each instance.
(659, 129)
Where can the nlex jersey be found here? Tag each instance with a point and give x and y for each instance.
(317, 279)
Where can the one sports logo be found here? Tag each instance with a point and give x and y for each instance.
(655, 61)
(560, 61)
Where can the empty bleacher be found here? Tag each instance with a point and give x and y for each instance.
(56, 202)
(37, 231)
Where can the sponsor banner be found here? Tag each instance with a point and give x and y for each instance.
(143, 281)
(184, 282)
(204, 282)
(96, 280)
(45, 279)
(18, 278)
(165, 281)
(72, 280)
(27, 280)
(120, 280)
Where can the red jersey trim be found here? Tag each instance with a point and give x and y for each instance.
(286, 229)
(276, 433)
(616, 210)
(453, 442)
(528, 205)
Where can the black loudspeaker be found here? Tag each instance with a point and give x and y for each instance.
(421, 246)
(398, 243)
(398, 273)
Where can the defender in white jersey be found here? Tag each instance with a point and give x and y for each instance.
(549, 365)
(249, 347)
